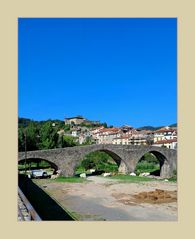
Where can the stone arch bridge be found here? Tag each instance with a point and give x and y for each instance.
(126, 156)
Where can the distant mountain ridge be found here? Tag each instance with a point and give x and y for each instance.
(152, 128)
(173, 125)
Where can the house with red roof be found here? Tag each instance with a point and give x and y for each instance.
(168, 143)
(106, 135)
(165, 137)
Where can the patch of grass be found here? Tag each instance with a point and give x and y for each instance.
(80, 170)
(135, 179)
(84, 217)
(75, 215)
(145, 167)
(60, 180)
(108, 167)
(129, 178)
(69, 179)
(172, 179)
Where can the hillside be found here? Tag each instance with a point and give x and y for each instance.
(152, 128)
(22, 122)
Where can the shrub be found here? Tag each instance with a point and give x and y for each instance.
(99, 161)
(148, 163)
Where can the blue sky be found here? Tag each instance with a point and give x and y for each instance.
(119, 71)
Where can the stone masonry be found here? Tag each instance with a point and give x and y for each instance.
(126, 156)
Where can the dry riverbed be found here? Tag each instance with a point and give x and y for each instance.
(103, 199)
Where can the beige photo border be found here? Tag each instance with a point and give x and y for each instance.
(10, 11)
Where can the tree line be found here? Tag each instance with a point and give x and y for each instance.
(40, 135)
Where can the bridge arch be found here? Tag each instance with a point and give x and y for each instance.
(163, 162)
(122, 166)
(37, 160)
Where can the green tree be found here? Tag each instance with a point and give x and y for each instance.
(31, 137)
(66, 127)
(105, 125)
(69, 141)
(31, 132)
(148, 163)
(99, 161)
(150, 158)
(21, 139)
(48, 136)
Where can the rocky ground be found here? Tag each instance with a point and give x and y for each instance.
(103, 199)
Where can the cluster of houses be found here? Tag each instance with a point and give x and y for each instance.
(125, 135)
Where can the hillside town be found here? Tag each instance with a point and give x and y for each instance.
(84, 130)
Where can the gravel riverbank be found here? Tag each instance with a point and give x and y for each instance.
(103, 199)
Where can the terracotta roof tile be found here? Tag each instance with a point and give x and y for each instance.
(164, 130)
(166, 141)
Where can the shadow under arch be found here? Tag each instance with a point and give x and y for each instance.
(37, 161)
(122, 166)
(163, 162)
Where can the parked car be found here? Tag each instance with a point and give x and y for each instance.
(38, 173)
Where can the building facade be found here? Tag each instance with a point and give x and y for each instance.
(169, 143)
(165, 137)
(74, 120)
(165, 134)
